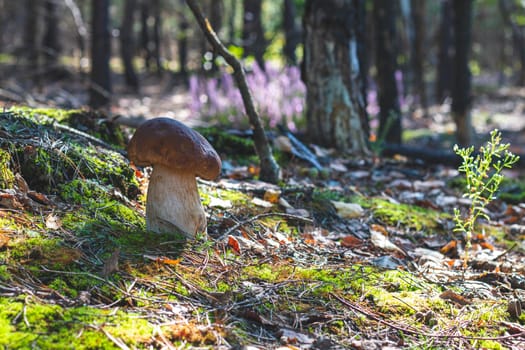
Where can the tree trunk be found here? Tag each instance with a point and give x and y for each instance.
(30, 35)
(127, 44)
(144, 34)
(331, 73)
(506, 9)
(182, 44)
(291, 33)
(461, 98)
(445, 54)
(231, 22)
(418, 50)
(100, 87)
(216, 10)
(386, 57)
(50, 41)
(253, 40)
(362, 57)
(157, 36)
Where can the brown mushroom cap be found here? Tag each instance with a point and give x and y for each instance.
(172, 144)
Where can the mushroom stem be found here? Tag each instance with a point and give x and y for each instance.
(173, 203)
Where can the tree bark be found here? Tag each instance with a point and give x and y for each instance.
(386, 57)
(460, 108)
(445, 54)
(30, 35)
(270, 171)
(50, 41)
(291, 33)
(182, 44)
(127, 44)
(518, 39)
(331, 72)
(157, 33)
(100, 87)
(418, 56)
(144, 34)
(253, 40)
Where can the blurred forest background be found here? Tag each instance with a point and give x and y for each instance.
(338, 72)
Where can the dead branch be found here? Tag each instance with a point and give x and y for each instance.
(270, 171)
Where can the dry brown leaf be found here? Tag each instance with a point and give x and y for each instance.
(272, 196)
(53, 222)
(351, 242)
(455, 297)
(234, 244)
(111, 264)
(38, 197)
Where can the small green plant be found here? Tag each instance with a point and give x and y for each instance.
(483, 174)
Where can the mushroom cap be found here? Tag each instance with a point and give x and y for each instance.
(172, 144)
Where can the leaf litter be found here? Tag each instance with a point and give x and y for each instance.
(361, 257)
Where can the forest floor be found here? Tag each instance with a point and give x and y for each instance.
(361, 255)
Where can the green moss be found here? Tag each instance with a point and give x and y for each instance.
(228, 143)
(5, 275)
(61, 156)
(25, 325)
(407, 215)
(6, 175)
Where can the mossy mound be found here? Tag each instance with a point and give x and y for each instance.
(47, 156)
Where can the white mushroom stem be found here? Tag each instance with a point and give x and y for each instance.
(173, 203)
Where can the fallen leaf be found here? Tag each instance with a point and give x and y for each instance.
(53, 222)
(283, 144)
(21, 183)
(379, 240)
(219, 203)
(348, 210)
(272, 196)
(168, 261)
(450, 249)
(234, 244)
(4, 239)
(38, 197)
(338, 167)
(111, 264)
(455, 297)
(351, 242)
(261, 203)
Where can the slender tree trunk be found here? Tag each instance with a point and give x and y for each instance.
(127, 44)
(50, 41)
(81, 29)
(182, 43)
(253, 39)
(231, 22)
(100, 87)
(216, 11)
(331, 73)
(362, 57)
(157, 36)
(30, 35)
(418, 56)
(291, 33)
(446, 52)
(461, 98)
(144, 34)
(506, 9)
(386, 56)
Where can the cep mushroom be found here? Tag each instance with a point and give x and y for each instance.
(177, 154)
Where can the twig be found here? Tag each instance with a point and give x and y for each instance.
(89, 137)
(415, 331)
(256, 217)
